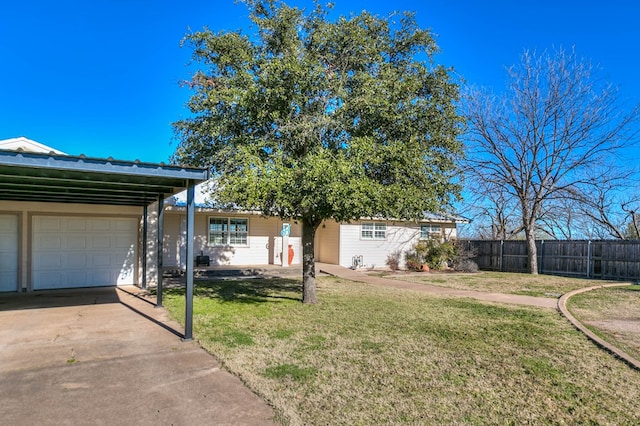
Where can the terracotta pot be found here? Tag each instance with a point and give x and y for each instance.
(290, 259)
(424, 267)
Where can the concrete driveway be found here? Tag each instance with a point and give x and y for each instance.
(104, 356)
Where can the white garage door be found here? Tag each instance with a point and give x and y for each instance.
(83, 252)
(8, 252)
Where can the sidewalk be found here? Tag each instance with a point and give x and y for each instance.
(361, 276)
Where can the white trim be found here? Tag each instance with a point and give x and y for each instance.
(376, 227)
(228, 231)
(23, 144)
(432, 232)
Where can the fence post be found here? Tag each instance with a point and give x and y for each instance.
(501, 253)
(540, 263)
(588, 258)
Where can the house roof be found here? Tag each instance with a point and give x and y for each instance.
(28, 145)
(432, 217)
(52, 177)
(177, 204)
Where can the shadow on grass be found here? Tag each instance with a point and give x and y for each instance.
(245, 291)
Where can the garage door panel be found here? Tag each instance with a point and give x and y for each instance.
(102, 276)
(9, 252)
(75, 225)
(48, 224)
(126, 225)
(100, 225)
(123, 243)
(101, 241)
(76, 243)
(49, 279)
(49, 242)
(79, 260)
(48, 261)
(76, 278)
(7, 242)
(101, 260)
(125, 276)
(91, 252)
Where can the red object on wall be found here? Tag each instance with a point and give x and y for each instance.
(290, 254)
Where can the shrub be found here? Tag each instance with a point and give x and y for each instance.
(412, 260)
(463, 261)
(436, 254)
(465, 265)
(393, 260)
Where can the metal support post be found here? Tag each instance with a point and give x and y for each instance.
(188, 311)
(159, 250)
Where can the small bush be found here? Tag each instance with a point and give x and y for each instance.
(436, 254)
(463, 261)
(465, 265)
(393, 260)
(412, 260)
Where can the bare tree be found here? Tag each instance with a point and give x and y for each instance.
(496, 213)
(614, 209)
(538, 140)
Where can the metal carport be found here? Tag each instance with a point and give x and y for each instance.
(54, 178)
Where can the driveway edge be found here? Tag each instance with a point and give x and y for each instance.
(618, 353)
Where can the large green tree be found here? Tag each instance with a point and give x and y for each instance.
(311, 119)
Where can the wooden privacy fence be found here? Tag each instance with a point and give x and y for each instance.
(602, 259)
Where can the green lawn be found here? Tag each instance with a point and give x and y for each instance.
(500, 282)
(366, 355)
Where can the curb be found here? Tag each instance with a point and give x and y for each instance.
(562, 307)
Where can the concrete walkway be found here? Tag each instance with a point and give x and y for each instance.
(106, 357)
(361, 276)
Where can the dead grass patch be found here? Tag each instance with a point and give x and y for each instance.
(369, 355)
(612, 313)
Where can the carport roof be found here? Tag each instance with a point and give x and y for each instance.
(26, 176)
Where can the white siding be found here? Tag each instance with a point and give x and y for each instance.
(374, 252)
(172, 241)
(263, 248)
(152, 245)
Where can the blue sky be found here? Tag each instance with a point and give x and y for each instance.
(101, 77)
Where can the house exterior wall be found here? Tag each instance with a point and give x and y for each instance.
(400, 236)
(26, 211)
(327, 244)
(264, 243)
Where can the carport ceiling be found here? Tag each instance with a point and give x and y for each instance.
(26, 176)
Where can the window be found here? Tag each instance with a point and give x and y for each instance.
(373, 231)
(228, 231)
(430, 231)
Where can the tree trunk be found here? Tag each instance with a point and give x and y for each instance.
(532, 251)
(309, 227)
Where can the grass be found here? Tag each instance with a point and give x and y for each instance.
(611, 313)
(501, 282)
(368, 355)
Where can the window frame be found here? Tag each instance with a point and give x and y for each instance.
(230, 234)
(430, 230)
(377, 231)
